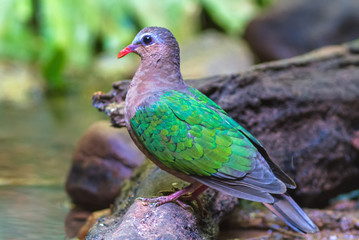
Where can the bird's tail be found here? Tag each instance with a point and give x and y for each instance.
(289, 211)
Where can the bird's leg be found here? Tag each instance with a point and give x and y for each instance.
(194, 190)
(195, 195)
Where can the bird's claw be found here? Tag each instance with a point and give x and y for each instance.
(153, 202)
(144, 203)
(183, 205)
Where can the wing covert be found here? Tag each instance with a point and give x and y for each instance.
(189, 136)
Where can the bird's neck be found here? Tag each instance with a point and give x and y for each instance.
(157, 73)
(152, 77)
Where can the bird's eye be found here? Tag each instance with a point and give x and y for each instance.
(146, 40)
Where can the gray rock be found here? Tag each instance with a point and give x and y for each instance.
(292, 28)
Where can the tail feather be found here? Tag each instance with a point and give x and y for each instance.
(289, 211)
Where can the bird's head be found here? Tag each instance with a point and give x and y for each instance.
(153, 43)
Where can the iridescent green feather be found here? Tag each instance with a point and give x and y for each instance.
(191, 134)
(202, 98)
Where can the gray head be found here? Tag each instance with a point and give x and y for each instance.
(153, 43)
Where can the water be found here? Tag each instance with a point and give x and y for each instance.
(36, 145)
(29, 212)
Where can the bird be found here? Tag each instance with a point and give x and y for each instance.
(188, 135)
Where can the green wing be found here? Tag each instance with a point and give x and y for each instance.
(207, 101)
(187, 133)
(191, 134)
(274, 167)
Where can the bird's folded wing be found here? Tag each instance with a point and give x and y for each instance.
(190, 135)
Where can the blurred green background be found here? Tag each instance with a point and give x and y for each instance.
(53, 55)
(60, 36)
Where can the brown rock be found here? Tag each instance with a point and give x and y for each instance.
(133, 220)
(355, 140)
(103, 158)
(291, 28)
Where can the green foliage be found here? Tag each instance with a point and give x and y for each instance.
(16, 37)
(53, 68)
(69, 33)
(231, 15)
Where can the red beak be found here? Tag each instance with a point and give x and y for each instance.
(127, 50)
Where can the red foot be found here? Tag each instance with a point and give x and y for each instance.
(192, 191)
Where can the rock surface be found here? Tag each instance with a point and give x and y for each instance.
(131, 219)
(250, 220)
(223, 217)
(304, 110)
(103, 158)
(291, 28)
